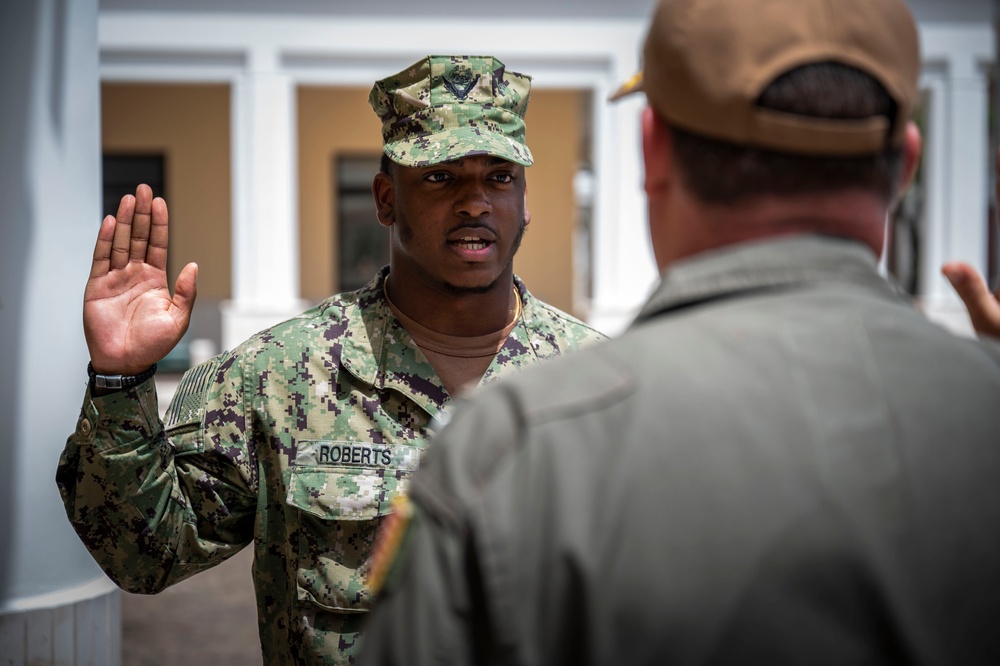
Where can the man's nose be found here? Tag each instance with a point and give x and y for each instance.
(473, 199)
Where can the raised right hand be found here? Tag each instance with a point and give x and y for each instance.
(129, 317)
(983, 306)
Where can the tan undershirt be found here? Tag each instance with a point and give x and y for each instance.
(460, 361)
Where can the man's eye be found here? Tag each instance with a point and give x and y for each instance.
(437, 177)
(504, 178)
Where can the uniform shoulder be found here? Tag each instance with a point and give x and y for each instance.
(568, 385)
(990, 347)
(324, 323)
(500, 421)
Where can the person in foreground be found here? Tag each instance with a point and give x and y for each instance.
(781, 461)
(298, 440)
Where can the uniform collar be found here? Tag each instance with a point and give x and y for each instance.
(377, 350)
(523, 345)
(761, 265)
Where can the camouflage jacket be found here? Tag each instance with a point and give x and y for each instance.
(297, 440)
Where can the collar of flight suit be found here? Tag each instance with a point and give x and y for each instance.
(776, 263)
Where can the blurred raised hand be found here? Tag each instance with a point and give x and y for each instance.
(983, 306)
(129, 317)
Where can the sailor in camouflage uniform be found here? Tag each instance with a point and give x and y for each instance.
(299, 439)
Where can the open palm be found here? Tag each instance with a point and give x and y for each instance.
(129, 317)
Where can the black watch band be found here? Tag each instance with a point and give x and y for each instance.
(114, 382)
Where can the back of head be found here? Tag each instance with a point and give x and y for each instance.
(782, 96)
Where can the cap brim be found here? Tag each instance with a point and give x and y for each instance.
(633, 85)
(454, 144)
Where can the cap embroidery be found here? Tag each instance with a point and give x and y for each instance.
(460, 82)
(447, 107)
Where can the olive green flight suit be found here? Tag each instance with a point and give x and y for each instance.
(780, 462)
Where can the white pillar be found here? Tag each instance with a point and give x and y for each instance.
(624, 270)
(956, 160)
(265, 216)
(55, 604)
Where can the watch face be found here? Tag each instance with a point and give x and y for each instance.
(110, 381)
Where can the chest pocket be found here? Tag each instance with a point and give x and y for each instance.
(338, 493)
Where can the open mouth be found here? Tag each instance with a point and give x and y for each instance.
(472, 243)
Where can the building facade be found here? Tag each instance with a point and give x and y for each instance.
(255, 111)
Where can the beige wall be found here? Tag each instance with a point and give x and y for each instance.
(335, 121)
(545, 261)
(189, 125)
(332, 122)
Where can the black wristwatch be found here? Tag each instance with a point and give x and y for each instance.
(114, 382)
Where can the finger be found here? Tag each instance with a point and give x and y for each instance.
(983, 307)
(140, 223)
(156, 253)
(102, 250)
(123, 232)
(185, 291)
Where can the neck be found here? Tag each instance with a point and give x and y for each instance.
(452, 312)
(694, 227)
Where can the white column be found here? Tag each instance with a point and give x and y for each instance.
(956, 161)
(624, 270)
(265, 216)
(56, 606)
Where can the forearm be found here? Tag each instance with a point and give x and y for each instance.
(134, 502)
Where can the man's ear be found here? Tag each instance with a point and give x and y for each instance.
(657, 153)
(527, 213)
(912, 146)
(384, 194)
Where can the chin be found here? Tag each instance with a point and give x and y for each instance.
(473, 284)
(469, 289)
(475, 279)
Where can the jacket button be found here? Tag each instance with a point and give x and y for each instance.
(85, 427)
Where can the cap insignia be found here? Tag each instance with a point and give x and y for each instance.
(460, 82)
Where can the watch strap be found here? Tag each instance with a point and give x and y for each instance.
(115, 382)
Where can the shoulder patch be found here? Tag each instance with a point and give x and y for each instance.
(189, 399)
(389, 542)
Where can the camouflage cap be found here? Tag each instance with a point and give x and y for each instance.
(443, 108)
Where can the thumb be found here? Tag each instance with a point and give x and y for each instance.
(186, 289)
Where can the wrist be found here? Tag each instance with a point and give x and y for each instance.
(115, 382)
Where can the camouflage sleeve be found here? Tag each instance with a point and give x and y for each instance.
(155, 505)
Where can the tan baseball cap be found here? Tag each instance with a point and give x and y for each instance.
(706, 63)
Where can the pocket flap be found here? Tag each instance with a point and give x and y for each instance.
(344, 493)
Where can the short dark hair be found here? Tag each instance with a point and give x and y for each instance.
(385, 164)
(720, 172)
